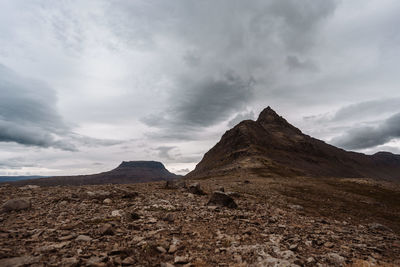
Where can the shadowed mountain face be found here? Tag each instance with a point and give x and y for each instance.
(270, 146)
(127, 172)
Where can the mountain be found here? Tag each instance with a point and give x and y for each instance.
(270, 146)
(18, 178)
(127, 172)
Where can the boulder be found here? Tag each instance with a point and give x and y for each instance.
(219, 198)
(16, 204)
(196, 189)
(175, 184)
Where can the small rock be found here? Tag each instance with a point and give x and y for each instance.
(172, 248)
(175, 184)
(181, 260)
(169, 217)
(16, 204)
(335, 259)
(83, 238)
(106, 229)
(221, 199)
(134, 216)
(107, 201)
(379, 227)
(117, 213)
(296, 207)
(329, 244)
(310, 260)
(128, 261)
(166, 264)
(161, 249)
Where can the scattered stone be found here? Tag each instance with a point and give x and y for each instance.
(175, 184)
(107, 201)
(166, 264)
(181, 259)
(335, 259)
(16, 204)
(329, 244)
(117, 213)
(106, 229)
(128, 261)
(19, 261)
(72, 262)
(296, 207)
(172, 248)
(169, 217)
(196, 189)
(221, 199)
(29, 186)
(83, 238)
(161, 249)
(379, 227)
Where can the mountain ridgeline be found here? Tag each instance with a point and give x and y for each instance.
(127, 172)
(270, 146)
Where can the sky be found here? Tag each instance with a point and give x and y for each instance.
(87, 84)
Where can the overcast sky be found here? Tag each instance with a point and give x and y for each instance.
(87, 84)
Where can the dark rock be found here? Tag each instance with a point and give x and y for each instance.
(16, 204)
(221, 199)
(175, 184)
(106, 229)
(196, 189)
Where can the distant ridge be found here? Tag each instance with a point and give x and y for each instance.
(18, 178)
(270, 146)
(127, 172)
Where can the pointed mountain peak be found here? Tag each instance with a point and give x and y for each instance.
(267, 114)
(268, 118)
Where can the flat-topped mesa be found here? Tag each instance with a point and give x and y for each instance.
(141, 164)
(270, 120)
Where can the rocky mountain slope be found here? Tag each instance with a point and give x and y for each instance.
(270, 146)
(127, 172)
(274, 222)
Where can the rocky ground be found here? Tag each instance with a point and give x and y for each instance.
(277, 222)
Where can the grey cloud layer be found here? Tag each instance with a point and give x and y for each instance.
(28, 114)
(368, 136)
(233, 49)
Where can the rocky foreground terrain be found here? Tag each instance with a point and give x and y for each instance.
(255, 222)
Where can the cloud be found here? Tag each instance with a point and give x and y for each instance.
(294, 64)
(367, 109)
(29, 116)
(163, 151)
(28, 113)
(203, 104)
(241, 117)
(368, 136)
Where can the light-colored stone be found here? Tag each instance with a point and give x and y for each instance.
(83, 238)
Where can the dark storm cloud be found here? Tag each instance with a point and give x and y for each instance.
(368, 136)
(203, 104)
(28, 116)
(28, 113)
(163, 151)
(250, 40)
(367, 109)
